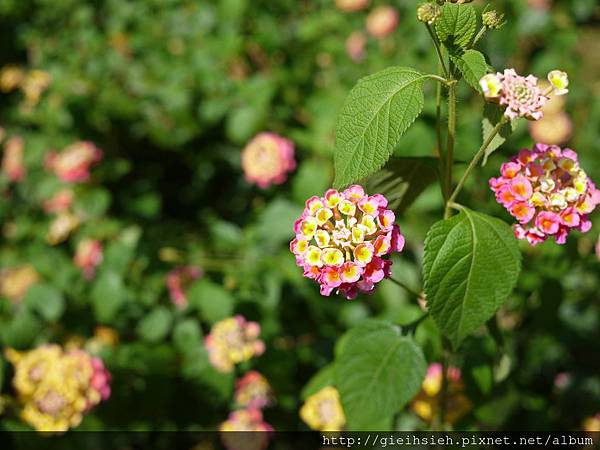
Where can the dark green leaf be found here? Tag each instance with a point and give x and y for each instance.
(377, 371)
(456, 25)
(471, 265)
(155, 326)
(472, 66)
(46, 300)
(377, 112)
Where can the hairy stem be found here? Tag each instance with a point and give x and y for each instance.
(438, 132)
(472, 165)
(406, 288)
(444, 393)
(450, 139)
(438, 50)
(478, 36)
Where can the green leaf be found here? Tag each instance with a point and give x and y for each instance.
(456, 25)
(473, 67)
(471, 265)
(46, 300)
(213, 302)
(119, 254)
(377, 112)
(377, 371)
(108, 295)
(402, 180)
(323, 378)
(21, 331)
(187, 336)
(491, 116)
(155, 326)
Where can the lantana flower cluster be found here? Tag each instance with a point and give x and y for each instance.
(88, 257)
(72, 165)
(232, 341)
(520, 95)
(343, 240)
(178, 280)
(238, 431)
(55, 388)
(267, 159)
(548, 192)
(13, 159)
(253, 391)
(428, 401)
(323, 410)
(16, 281)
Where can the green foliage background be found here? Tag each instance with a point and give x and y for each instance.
(171, 90)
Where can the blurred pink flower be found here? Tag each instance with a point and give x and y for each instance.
(232, 341)
(344, 239)
(88, 256)
(547, 191)
(382, 21)
(13, 164)
(351, 5)
(72, 165)
(253, 391)
(267, 159)
(356, 46)
(178, 280)
(552, 129)
(248, 420)
(59, 202)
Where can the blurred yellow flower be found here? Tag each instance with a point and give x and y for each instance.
(427, 403)
(15, 282)
(323, 411)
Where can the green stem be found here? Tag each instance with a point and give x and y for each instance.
(405, 287)
(436, 78)
(438, 131)
(472, 164)
(411, 328)
(438, 50)
(444, 393)
(478, 36)
(450, 139)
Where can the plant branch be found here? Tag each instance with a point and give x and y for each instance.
(438, 131)
(438, 50)
(450, 139)
(478, 36)
(437, 78)
(473, 163)
(405, 287)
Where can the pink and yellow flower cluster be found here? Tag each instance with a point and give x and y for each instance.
(520, 95)
(252, 394)
(232, 341)
(267, 159)
(323, 410)
(253, 391)
(547, 191)
(55, 388)
(178, 280)
(343, 240)
(428, 401)
(88, 256)
(72, 165)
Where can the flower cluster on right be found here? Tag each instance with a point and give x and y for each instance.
(547, 191)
